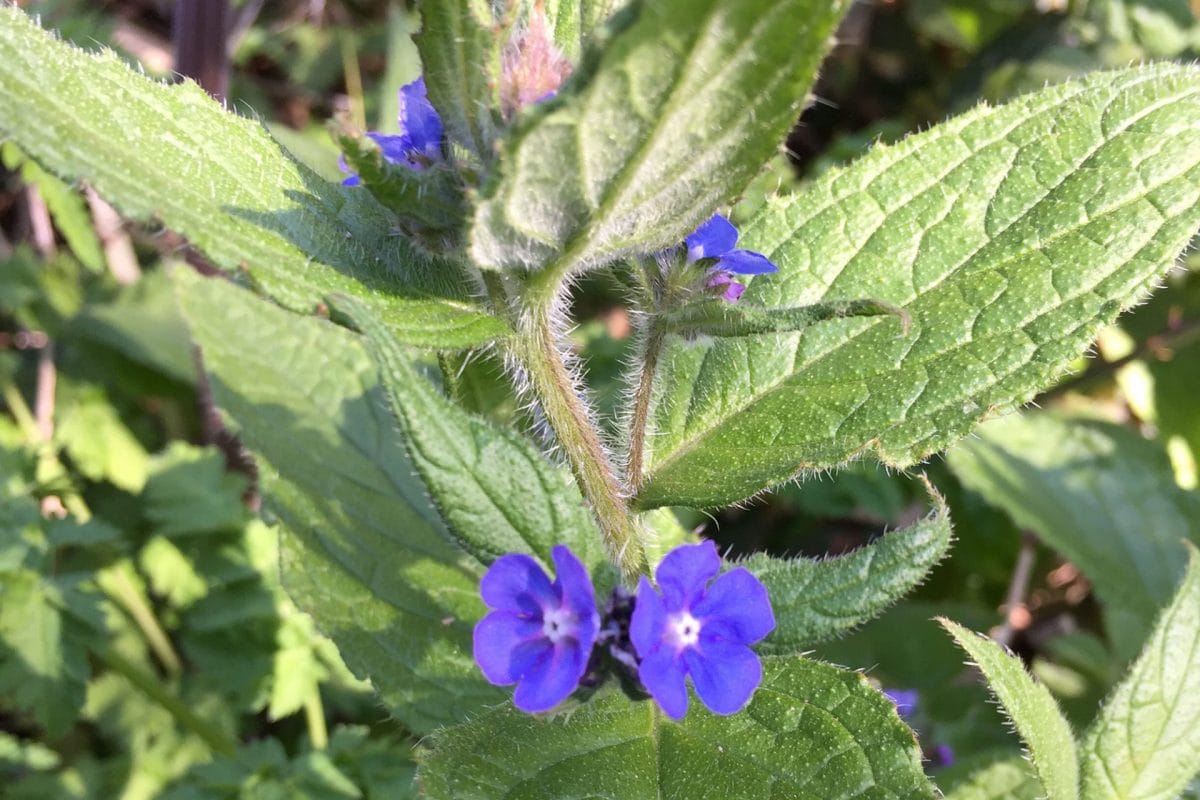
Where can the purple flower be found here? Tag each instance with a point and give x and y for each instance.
(905, 700)
(420, 139)
(540, 634)
(700, 630)
(942, 756)
(717, 239)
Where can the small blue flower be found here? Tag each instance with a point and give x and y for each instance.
(540, 634)
(420, 139)
(700, 630)
(717, 239)
(905, 700)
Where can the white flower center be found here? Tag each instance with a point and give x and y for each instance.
(558, 624)
(683, 630)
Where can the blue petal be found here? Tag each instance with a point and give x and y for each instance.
(663, 676)
(746, 262)
(419, 119)
(725, 674)
(353, 180)
(498, 638)
(649, 620)
(394, 148)
(738, 601)
(516, 582)
(575, 587)
(684, 571)
(550, 680)
(713, 239)
(905, 700)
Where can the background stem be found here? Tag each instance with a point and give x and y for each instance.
(639, 416)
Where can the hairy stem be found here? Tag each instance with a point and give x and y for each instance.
(536, 346)
(639, 416)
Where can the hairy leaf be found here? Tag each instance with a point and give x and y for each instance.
(1099, 494)
(1145, 745)
(815, 601)
(461, 58)
(811, 731)
(685, 106)
(171, 153)
(497, 493)
(1032, 710)
(363, 549)
(1009, 235)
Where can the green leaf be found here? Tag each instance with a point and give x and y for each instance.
(815, 601)
(460, 55)
(1001, 779)
(1145, 745)
(685, 106)
(363, 549)
(99, 443)
(496, 492)
(190, 491)
(431, 197)
(1099, 494)
(1032, 710)
(171, 153)
(575, 22)
(1009, 235)
(811, 731)
(43, 659)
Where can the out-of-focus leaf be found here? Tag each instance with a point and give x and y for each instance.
(1098, 493)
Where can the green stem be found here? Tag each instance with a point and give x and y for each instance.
(149, 685)
(536, 345)
(652, 344)
(314, 715)
(126, 594)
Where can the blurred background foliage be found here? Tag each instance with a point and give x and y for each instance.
(146, 648)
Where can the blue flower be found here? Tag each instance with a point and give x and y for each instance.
(905, 700)
(700, 630)
(420, 139)
(717, 239)
(540, 634)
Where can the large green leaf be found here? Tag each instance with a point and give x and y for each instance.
(1145, 745)
(363, 549)
(171, 153)
(812, 731)
(815, 601)
(1032, 710)
(497, 493)
(1009, 235)
(1098, 493)
(685, 106)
